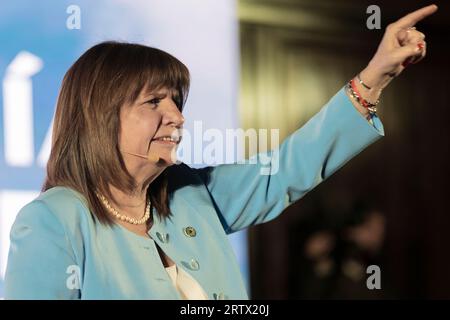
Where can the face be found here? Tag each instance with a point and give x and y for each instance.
(145, 126)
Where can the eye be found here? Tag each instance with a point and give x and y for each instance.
(155, 101)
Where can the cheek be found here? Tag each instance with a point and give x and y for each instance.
(137, 131)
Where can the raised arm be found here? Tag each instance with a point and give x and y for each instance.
(244, 197)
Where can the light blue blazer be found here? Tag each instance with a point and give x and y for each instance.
(58, 252)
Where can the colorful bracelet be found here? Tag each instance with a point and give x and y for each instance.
(361, 101)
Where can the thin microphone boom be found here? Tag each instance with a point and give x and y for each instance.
(150, 156)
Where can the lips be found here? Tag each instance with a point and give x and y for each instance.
(175, 137)
(168, 139)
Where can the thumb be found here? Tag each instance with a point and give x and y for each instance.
(402, 35)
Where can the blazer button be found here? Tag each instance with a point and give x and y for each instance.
(219, 296)
(163, 238)
(189, 232)
(192, 265)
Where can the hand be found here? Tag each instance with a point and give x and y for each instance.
(401, 45)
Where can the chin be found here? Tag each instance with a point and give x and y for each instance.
(168, 157)
(166, 160)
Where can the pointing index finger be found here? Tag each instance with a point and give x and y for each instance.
(412, 18)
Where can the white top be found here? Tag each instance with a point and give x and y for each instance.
(187, 286)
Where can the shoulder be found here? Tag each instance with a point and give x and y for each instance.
(60, 208)
(62, 197)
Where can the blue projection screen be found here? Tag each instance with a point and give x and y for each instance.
(39, 42)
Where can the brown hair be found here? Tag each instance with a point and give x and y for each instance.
(85, 153)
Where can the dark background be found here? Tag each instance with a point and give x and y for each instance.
(404, 175)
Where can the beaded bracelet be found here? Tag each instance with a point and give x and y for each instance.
(371, 107)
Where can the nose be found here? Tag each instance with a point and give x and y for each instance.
(173, 116)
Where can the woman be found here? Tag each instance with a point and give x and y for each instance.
(117, 220)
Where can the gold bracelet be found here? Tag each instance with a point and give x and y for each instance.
(362, 83)
(371, 107)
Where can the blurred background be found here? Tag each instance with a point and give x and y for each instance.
(388, 206)
(264, 64)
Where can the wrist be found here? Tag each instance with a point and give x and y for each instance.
(364, 98)
(374, 78)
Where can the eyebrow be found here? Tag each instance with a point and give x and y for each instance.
(161, 93)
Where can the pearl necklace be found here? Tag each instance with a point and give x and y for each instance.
(124, 217)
